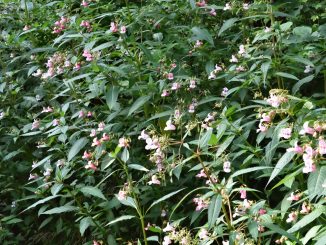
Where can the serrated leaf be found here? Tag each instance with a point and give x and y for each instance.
(75, 149)
(214, 210)
(84, 224)
(202, 34)
(297, 86)
(61, 209)
(40, 202)
(203, 140)
(165, 197)
(248, 170)
(138, 103)
(93, 191)
(264, 68)
(307, 219)
(224, 145)
(316, 181)
(226, 25)
(128, 202)
(124, 217)
(286, 75)
(284, 160)
(138, 167)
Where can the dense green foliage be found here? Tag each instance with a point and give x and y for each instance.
(162, 122)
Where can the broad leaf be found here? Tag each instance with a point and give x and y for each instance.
(75, 149)
(93, 191)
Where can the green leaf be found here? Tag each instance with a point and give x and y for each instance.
(56, 188)
(61, 209)
(125, 155)
(128, 202)
(75, 149)
(311, 234)
(224, 145)
(93, 191)
(226, 25)
(84, 224)
(165, 197)
(264, 68)
(284, 160)
(124, 217)
(286, 75)
(202, 34)
(103, 46)
(287, 178)
(138, 103)
(112, 97)
(40, 202)
(302, 31)
(316, 181)
(297, 86)
(138, 167)
(214, 210)
(280, 231)
(286, 26)
(77, 78)
(307, 219)
(253, 229)
(248, 170)
(203, 140)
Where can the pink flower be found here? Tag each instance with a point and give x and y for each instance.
(55, 122)
(47, 109)
(143, 135)
(201, 203)
(202, 3)
(33, 176)
(225, 92)
(96, 142)
(240, 68)
(165, 93)
(234, 59)
(91, 165)
(122, 195)
(297, 149)
(227, 7)
(198, 44)
(262, 211)
(285, 133)
(243, 194)
(154, 181)
(26, 28)
(87, 155)
(167, 240)
(81, 114)
(294, 197)
(242, 49)
(227, 167)
(276, 100)
(77, 66)
(35, 124)
(191, 108)
(152, 144)
(292, 217)
(168, 228)
(305, 209)
(93, 133)
(175, 86)
(170, 76)
(245, 6)
(203, 234)
(84, 3)
(123, 142)
(169, 126)
(192, 84)
(114, 27)
(306, 129)
(266, 118)
(89, 114)
(96, 242)
(322, 146)
(87, 55)
(212, 12)
(123, 29)
(201, 174)
(105, 137)
(101, 126)
(177, 114)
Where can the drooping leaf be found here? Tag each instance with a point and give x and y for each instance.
(202, 34)
(138, 103)
(165, 197)
(214, 210)
(316, 181)
(61, 209)
(93, 191)
(226, 25)
(121, 218)
(307, 219)
(75, 149)
(284, 160)
(84, 224)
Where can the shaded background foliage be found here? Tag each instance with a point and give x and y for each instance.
(122, 86)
